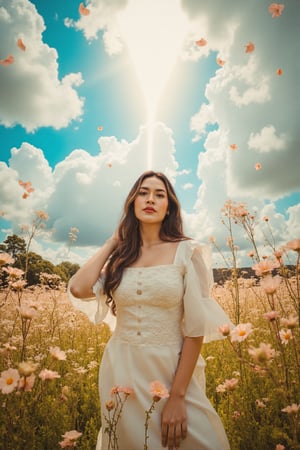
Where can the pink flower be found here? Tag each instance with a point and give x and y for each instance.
(26, 383)
(42, 215)
(110, 405)
(47, 374)
(19, 285)
(158, 390)
(271, 315)
(228, 385)
(26, 312)
(260, 404)
(270, 284)
(9, 380)
(265, 267)
(263, 354)
(126, 390)
(114, 390)
(241, 332)
(280, 447)
(224, 329)
(285, 336)
(291, 322)
(291, 409)
(72, 435)
(278, 255)
(275, 9)
(57, 353)
(294, 245)
(70, 438)
(13, 272)
(5, 258)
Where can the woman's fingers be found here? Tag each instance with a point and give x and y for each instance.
(173, 434)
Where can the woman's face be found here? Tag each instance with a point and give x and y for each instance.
(151, 202)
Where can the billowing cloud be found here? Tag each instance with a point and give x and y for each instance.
(83, 191)
(31, 92)
(267, 140)
(102, 17)
(247, 100)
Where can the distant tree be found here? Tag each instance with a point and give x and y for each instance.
(36, 266)
(66, 270)
(14, 245)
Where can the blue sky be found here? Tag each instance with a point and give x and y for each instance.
(80, 72)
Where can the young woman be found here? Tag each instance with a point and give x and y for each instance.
(157, 283)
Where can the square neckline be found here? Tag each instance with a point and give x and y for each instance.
(162, 265)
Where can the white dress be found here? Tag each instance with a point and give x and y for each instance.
(156, 307)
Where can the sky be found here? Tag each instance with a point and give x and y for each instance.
(92, 96)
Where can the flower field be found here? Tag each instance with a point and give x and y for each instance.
(50, 356)
(49, 361)
(50, 353)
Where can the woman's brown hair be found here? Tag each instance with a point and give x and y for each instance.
(130, 238)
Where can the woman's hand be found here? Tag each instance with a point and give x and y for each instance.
(173, 422)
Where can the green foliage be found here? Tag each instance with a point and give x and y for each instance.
(14, 245)
(66, 270)
(36, 266)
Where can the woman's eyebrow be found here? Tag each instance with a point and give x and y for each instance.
(156, 190)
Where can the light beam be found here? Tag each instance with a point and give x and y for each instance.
(153, 31)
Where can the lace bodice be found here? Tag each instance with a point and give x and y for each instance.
(157, 305)
(149, 305)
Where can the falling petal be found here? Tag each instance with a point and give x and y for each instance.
(258, 166)
(220, 62)
(7, 61)
(233, 147)
(250, 47)
(275, 9)
(109, 165)
(201, 43)
(83, 10)
(100, 128)
(25, 195)
(26, 185)
(21, 45)
(279, 72)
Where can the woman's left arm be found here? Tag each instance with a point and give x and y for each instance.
(173, 419)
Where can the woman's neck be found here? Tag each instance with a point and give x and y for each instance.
(150, 235)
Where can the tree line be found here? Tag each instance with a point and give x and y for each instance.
(33, 264)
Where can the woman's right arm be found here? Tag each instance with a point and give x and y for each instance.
(81, 284)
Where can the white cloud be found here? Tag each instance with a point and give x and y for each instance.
(267, 140)
(251, 105)
(31, 92)
(187, 186)
(102, 17)
(82, 191)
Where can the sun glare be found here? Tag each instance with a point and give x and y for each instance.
(153, 32)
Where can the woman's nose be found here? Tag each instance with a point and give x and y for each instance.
(150, 198)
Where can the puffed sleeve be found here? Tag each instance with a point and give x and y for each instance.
(94, 308)
(202, 314)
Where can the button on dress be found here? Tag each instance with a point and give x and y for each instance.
(156, 307)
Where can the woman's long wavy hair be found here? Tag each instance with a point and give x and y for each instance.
(129, 234)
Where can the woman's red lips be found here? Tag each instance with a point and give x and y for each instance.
(149, 209)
